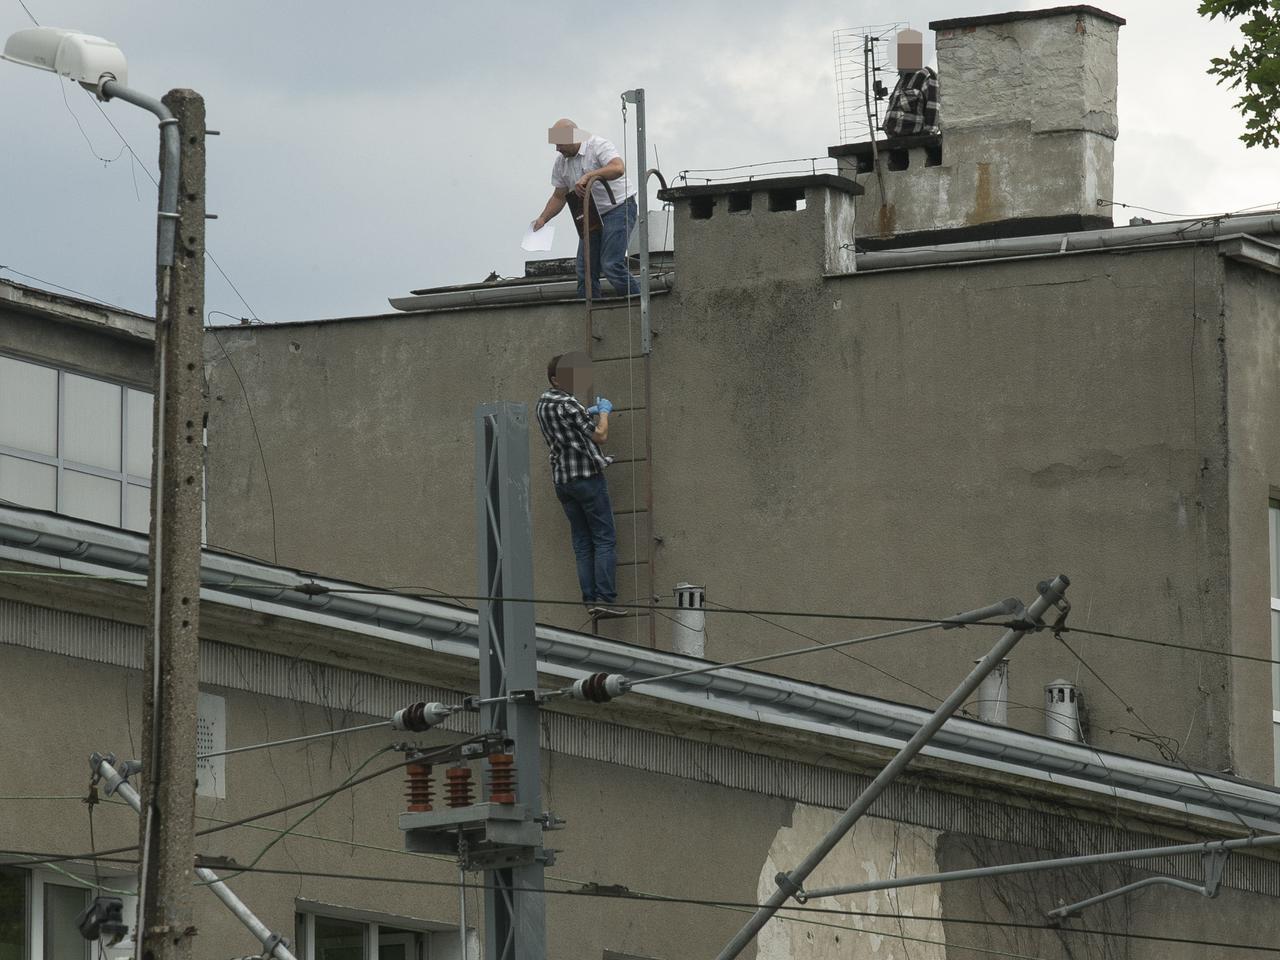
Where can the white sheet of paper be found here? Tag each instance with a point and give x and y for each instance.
(538, 240)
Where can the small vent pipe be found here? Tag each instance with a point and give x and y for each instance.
(993, 695)
(1062, 711)
(688, 627)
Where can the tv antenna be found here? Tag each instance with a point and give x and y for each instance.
(862, 55)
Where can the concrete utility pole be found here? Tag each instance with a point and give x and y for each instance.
(173, 588)
(515, 926)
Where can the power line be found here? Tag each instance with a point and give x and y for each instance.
(419, 757)
(58, 286)
(1177, 756)
(435, 594)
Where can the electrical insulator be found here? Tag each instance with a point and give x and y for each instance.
(458, 786)
(600, 687)
(502, 778)
(420, 716)
(418, 787)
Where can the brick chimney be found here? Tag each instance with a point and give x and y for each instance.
(1028, 129)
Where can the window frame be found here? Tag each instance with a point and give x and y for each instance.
(62, 463)
(1273, 541)
(38, 878)
(307, 911)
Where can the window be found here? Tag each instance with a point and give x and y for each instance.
(38, 910)
(1274, 529)
(327, 932)
(75, 445)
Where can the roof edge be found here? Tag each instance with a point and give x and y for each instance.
(959, 23)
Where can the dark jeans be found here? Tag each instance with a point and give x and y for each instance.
(586, 504)
(609, 252)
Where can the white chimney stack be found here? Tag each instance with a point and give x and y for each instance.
(688, 628)
(993, 695)
(1062, 711)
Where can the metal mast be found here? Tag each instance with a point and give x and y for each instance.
(515, 918)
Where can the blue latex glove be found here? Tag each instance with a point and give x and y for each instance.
(601, 406)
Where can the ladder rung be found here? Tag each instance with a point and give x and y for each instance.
(627, 513)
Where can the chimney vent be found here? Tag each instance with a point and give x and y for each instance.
(993, 695)
(1062, 711)
(688, 628)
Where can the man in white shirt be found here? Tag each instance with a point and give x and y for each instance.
(586, 163)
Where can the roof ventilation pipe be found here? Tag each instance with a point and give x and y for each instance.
(688, 625)
(993, 695)
(1062, 711)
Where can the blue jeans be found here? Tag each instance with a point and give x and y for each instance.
(586, 504)
(609, 252)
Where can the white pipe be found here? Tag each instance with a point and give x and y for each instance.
(1178, 230)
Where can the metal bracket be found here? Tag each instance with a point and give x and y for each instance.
(1214, 860)
(786, 884)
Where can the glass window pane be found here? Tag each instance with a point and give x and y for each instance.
(339, 939)
(91, 422)
(13, 914)
(62, 940)
(28, 483)
(138, 414)
(396, 944)
(1275, 655)
(28, 406)
(90, 498)
(137, 508)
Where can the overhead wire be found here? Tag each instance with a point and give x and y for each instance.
(420, 592)
(351, 779)
(425, 756)
(1176, 754)
(58, 286)
(797, 913)
(138, 160)
(257, 439)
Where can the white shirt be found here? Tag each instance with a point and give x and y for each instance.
(593, 153)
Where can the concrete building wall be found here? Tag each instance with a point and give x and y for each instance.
(917, 443)
(1248, 321)
(98, 353)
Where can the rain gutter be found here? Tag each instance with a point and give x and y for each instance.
(47, 540)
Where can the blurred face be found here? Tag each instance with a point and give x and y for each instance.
(573, 375)
(566, 138)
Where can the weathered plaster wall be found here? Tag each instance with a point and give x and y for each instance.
(1249, 322)
(876, 850)
(935, 439)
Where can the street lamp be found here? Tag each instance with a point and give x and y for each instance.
(99, 66)
(173, 582)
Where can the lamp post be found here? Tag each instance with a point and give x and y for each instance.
(165, 928)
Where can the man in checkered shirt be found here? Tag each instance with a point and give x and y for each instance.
(577, 470)
(913, 105)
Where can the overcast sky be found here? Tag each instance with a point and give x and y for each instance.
(368, 149)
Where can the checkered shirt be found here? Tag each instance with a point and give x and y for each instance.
(567, 428)
(913, 105)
